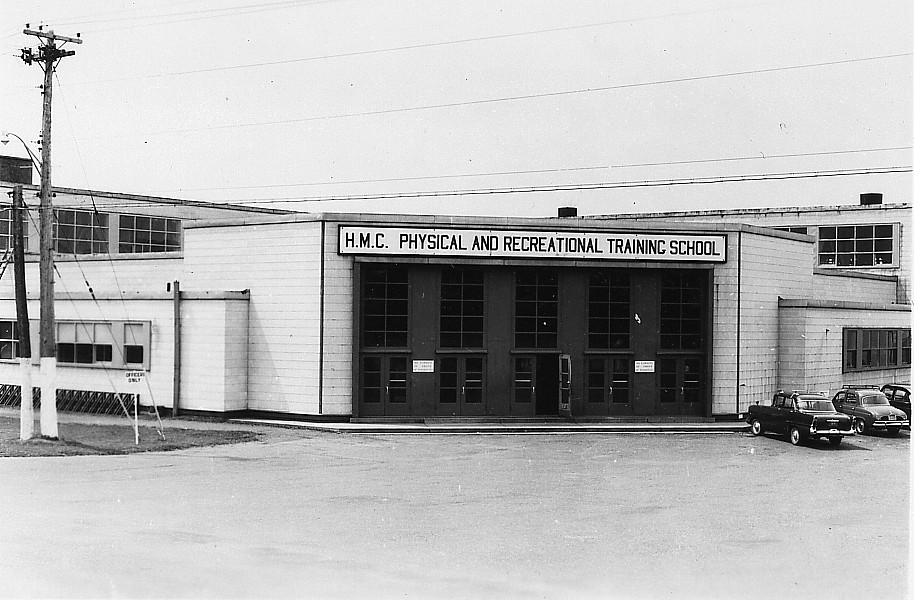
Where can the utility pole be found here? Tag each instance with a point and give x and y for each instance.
(48, 55)
(26, 412)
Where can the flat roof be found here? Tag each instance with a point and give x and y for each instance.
(736, 212)
(158, 200)
(544, 223)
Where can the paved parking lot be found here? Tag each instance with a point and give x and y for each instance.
(310, 514)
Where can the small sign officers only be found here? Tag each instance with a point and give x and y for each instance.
(499, 243)
(135, 378)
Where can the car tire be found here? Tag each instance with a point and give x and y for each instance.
(796, 438)
(835, 440)
(756, 427)
(860, 426)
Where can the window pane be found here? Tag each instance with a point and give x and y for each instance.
(66, 353)
(76, 230)
(682, 311)
(133, 355)
(84, 353)
(103, 352)
(462, 308)
(536, 309)
(385, 307)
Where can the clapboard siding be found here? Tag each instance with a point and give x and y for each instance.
(746, 291)
(280, 265)
(812, 346)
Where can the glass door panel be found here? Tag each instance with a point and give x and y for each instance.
(461, 386)
(384, 385)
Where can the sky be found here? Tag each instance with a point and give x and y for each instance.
(474, 107)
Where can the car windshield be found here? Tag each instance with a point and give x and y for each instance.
(819, 404)
(875, 400)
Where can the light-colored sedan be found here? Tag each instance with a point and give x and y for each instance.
(870, 410)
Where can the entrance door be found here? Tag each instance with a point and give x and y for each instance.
(608, 390)
(681, 382)
(536, 385)
(384, 385)
(461, 386)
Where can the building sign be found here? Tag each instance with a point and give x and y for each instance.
(423, 366)
(498, 243)
(135, 378)
(644, 366)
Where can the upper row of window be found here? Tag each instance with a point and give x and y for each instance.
(385, 312)
(86, 232)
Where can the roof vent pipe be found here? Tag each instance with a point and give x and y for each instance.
(567, 211)
(869, 199)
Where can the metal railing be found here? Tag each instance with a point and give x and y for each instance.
(81, 401)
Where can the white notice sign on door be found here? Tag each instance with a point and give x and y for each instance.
(644, 366)
(423, 366)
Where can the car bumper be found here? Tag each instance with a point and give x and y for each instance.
(820, 432)
(890, 424)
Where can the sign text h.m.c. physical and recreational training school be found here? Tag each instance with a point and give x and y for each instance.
(496, 243)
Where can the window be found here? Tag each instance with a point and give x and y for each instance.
(6, 229)
(681, 315)
(134, 349)
(148, 234)
(905, 346)
(608, 320)
(80, 232)
(385, 308)
(110, 344)
(85, 343)
(9, 340)
(536, 310)
(868, 349)
(608, 379)
(803, 230)
(857, 245)
(462, 308)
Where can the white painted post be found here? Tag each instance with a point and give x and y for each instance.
(26, 411)
(136, 419)
(48, 372)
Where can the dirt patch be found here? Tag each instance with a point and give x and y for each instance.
(78, 439)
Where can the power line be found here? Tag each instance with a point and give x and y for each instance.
(594, 186)
(194, 15)
(548, 188)
(519, 97)
(546, 171)
(415, 46)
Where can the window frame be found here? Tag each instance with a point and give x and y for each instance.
(536, 302)
(96, 233)
(6, 229)
(138, 234)
(459, 313)
(84, 336)
(12, 341)
(855, 241)
(853, 345)
(609, 311)
(385, 308)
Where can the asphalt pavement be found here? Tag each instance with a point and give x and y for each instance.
(311, 514)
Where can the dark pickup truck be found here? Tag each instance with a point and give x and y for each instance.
(800, 415)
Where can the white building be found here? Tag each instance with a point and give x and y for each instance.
(331, 316)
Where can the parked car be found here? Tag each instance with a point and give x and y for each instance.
(800, 415)
(870, 410)
(899, 396)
